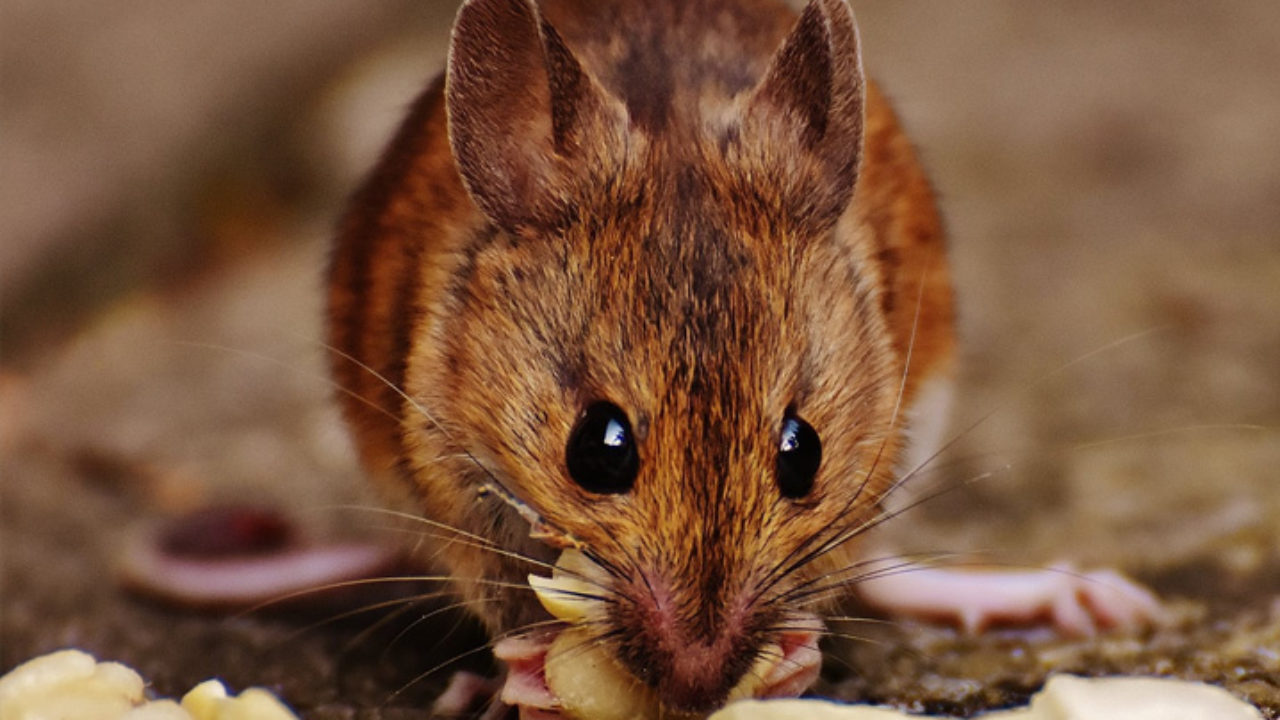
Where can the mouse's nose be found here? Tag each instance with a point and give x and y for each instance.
(691, 648)
(699, 677)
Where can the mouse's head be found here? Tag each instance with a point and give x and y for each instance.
(659, 344)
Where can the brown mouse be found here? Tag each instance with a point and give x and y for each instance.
(662, 280)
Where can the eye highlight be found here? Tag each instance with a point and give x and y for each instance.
(799, 457)
(601, 454)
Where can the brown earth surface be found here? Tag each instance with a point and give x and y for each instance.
(1110, 176)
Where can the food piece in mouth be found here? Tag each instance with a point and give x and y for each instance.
(572, 673)
(572, 593)
(589, 683)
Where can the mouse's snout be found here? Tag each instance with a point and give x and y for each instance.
(698, 651)
(690, 645)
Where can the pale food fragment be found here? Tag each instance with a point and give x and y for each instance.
(71, 685)
(792, 709)
(1064, 697)
(1067, 697)
(68, 684)
(568, 594)
(755, 677)
(202, 700)
(209, 701)
(580, 672)
(156, 710)
(590, 684)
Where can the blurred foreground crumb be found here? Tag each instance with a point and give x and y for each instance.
(1064, 697)
(71, 685)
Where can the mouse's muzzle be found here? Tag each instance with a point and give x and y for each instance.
(699, 658)
(644, 650)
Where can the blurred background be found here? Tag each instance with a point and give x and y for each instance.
(170, 174)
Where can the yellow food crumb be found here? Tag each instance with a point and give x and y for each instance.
(209, 701)
(1064, 697)
(568, 595)
(72, 685)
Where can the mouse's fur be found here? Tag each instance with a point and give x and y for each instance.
(695, 209)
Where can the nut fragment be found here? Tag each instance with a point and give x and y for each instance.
(71, 685)
(569, 594)
(586, 680)
(591, 684)
(1064, 697)
(209, 701)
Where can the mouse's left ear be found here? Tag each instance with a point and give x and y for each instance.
(527, 123)
(803, 122)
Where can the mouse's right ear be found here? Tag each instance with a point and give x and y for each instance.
(526, 122)
(803, 122)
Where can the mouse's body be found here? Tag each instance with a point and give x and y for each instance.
(668, 274)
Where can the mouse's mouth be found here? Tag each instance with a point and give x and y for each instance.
(567, 671)
(589, 682)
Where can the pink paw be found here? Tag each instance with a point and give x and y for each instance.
(466, 692)
(526, 682)
(1075, 603)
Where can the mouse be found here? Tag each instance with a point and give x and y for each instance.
(663, 283)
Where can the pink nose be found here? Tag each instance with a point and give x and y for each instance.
(698, 677)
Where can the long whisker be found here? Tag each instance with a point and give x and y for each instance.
(482, 543)
(468, 653)
(864, 526)
(423, 618)
(885, 516)
(1020, 392)
(491, 484)
(784, 566)
(839, 537)
(402, 604)
(408, 605)
(433, 670)
(371, 581)
(819, 595)
(859, 571)
(291, 367)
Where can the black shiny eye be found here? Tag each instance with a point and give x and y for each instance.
(601, 455)
(799, 455)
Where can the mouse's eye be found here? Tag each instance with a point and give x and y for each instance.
(799, 455)
(601, 455)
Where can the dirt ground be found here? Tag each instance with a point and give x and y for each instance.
(1109, 173)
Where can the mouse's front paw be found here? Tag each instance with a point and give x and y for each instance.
(525, 684)
(1077, 603)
